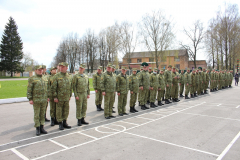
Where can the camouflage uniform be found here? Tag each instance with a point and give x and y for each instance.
(133, 87)
(193, 83)
(161, 82)
(199, 91)
(207, 79)
(181, 81)
(139, 91)
(188, 83)
(144, 82)
(168, 81)
(153, 84)
(212, 79)
(97, 86)
(175, 90)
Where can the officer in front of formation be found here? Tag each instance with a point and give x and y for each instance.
(38, 97)
(97, 88)
(81, 91)
(134, 89)
(62, 92)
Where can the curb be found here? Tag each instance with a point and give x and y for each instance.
(23, 99)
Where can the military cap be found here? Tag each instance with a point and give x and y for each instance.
(109, 65)
(82, 66)
(141, 67)
(150, 68)
(38, 67)
(53, 68)
(134, 69)
(113, 66)
(63, 64)
(44, 66)
(100, 67)
(203, 68)
(173, 67)
(144, 64)
(163, 69)
(124, 67)
(169, 66)
(155, 69)
(188, 68)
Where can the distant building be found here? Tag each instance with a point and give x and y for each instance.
(177, 58)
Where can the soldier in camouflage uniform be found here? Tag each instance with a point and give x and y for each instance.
(53, 105)
(38, 97)
(141, 69)
(97, 88)
(187, 82)
(175, 89)
(115, 86)
(134, 88)
(144, 85)
(212, 79)
(45, 76)
(194, 82)
(153, 87)
(149, 72)
(205, 80)
(230, 78)
(122, 91)
(108, 84)
(81, 91)
(220, 80)
(200, 84)
(62, 92)
(181, 83)
(161, 87)
(168, 82)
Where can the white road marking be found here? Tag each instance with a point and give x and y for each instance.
(145, 118)
(87, 135)
(129, 123)
(59, 144)
(157, 114)
(228, 147)
(237, 106)
(172, 144)
(19, 154)
(219, 104)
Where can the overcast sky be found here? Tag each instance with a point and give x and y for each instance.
(43, 23)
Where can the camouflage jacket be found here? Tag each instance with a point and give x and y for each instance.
(174, 78)
(187, 78)
(161, 81)
(134, 83)
(80, 83)
(197, 75)
(212, 76)
(207, 77)
(204, 76)
(115, 80)
(154, 81)
(62, 87)
(122, 84)
(50, 82)
(37, 89)
(182, 77)
(168, 77)
(107, 82)
(97, 81)
(193, 79)
(144, 79)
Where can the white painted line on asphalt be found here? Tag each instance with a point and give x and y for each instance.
(219, 104)
(145, 118)
(172, 144)
(59, 144)
(156, 114)
(211, 116)
(88, 135)
(228, 147)
(237, 106)
(19, 154)
(129, 123)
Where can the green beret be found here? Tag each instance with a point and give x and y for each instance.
(134, 69)
(63, 64)
(82, 66)
(100, 67)
(144, 64)
(200, 68)
(169, 66)
(38, 67)
(53, 68)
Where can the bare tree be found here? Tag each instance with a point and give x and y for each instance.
(157, 33)
(195, 35)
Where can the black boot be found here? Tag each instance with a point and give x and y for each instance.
(84, 122)
(159, 103)
(202, 93)
(113, 111)
(181, 95)
(143, 107)
(79, 122)
(55, 121)
(139, 104)
(65, 125)
(173, 100)
(37, 131)
(60, 125)
(46, 120)
(100, 107)
(205, 92)
(177, 100)
(167, 101)
(42, 130)
(152, 105)
(186, 97)
(192, 96)
(195, 95)
(134, 109)
(52, 121)
(148, 102)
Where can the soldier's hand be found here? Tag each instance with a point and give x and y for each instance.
(31, 102)
(131, 92)
(55, 100)
(118, 94)
(167, 85)
(159, 89)
(77, 98)
(141, 88)
(175, 77)
(187, 84)
(151, 88)
(48, 99)
(172, 84)
(88, 96)
(96, 91)
(179, 84)
(103, 93)
(69, 98)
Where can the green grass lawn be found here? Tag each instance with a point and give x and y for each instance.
(14, 89)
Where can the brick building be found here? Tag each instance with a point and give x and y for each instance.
(177, 58)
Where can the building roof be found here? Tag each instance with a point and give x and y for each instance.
(181, 52)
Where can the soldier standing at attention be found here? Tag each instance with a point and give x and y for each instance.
(153, 87)
(220, 80)
(97, 88)
(144, 85)
(134, 88)
(108, 84)
(62, 92)
(122, 91)
(37, 95)
(45, 76)
(115, 86)
(82, 93)
(138, 74)
(53, 105)
(187, 81)
(163, 99)
(212, 78)
(161, 87)
(168, 82)
(231, 78)
(205, 81)
(174, 85)
(148, 96)
(181, 83)
(193, 84)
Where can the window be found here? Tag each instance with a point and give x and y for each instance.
(164, 59)
(151, 59)
(176, 59)
(129, 60)
(177, 66)
(139, 60)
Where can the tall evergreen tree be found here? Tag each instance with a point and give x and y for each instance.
(11, 48)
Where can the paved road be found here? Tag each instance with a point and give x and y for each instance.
(207, 127)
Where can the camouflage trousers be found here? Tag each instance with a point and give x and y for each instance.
(53, 106)
(139, 95)
(211, 84)
(153, 94)
(174, 91)
(181, 88)
(219, 85)
(39, 113)
(168, 91)
(160, 95)
(62, 111)
(133, 99)
(98, 97)
(206, 85)
(193, 89)
(199, 89)
(122, 102)
(81, 105)
(114, 97)
(187, 89)
(144, 96)
(108, 103)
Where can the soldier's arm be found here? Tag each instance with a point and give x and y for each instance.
(151, 81)
(118, 84)
(30, 89)
(54, 87)
(94, 82)
(140, 79)
(102, 83)
(130, 83)
(88, 91)
(71, 86)
(49, 88)
(74, 85)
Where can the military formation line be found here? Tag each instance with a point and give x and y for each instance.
(147, 86)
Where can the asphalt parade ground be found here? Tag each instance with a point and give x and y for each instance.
(206, 127)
